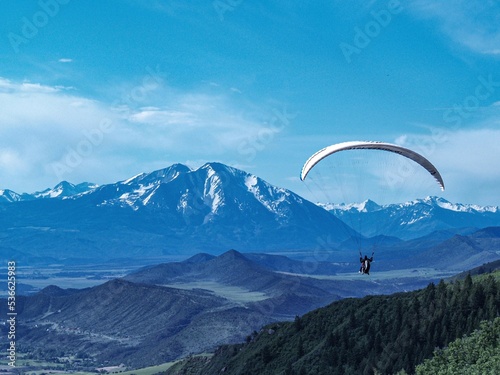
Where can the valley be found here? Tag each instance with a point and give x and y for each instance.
(182, 308)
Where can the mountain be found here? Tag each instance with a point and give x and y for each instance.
(168, 311)
(164, 312)
(234, 269)
(461, 252)
(11, 196)
(61, 190)
(414, 219)
(65, 189)
(173, 310)
(123, 322)
(174, 210)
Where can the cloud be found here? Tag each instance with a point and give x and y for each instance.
(39, 124)
(65, 60)
(467, 160)
(50, 133)
(473, 24)
(12, 87)
(163, 117)
(470, 162)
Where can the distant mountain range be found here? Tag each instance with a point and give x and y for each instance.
(211, 209)
(413, 219)
(61, 190)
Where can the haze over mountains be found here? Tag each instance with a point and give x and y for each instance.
(179, 211)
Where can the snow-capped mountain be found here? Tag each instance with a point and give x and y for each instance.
(11, 196)
(65, 189)
(414, 219)
(212, 192)
(169, 211)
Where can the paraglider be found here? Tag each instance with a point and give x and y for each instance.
(365, 263)
(371, 145)
(368, 145)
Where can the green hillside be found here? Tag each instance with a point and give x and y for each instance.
(375, 334)
(477, 354)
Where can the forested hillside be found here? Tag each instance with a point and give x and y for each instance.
(477, 354)
(375, 334)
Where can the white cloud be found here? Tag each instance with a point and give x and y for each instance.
(162, 117)
(467, 159)
(51, 133)
(39, 124)
(12, 87)
(65, 60)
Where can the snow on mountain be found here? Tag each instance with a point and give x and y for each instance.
(62, 190)
(212, 191)
(170, 211)
(443, 203)
(164, 175)
(415, 218)
(10, 196)
(366, 206)
(65, 189)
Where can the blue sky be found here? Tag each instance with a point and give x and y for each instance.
(101, 91)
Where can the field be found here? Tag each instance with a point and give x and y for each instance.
(33, 367)
(232, 293)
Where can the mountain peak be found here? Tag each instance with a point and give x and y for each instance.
(434, 200)
(369, 206)
(160, 176)
(415, 218)
(9, 196)
(218, 169)
(65, 189)
(232, 255)
(458, 207)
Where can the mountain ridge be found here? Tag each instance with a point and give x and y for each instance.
(174, 210)
(414, 218)
(182, 211)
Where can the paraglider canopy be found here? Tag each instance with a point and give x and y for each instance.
(371, 145)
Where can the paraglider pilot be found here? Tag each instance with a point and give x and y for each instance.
(365, 263)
